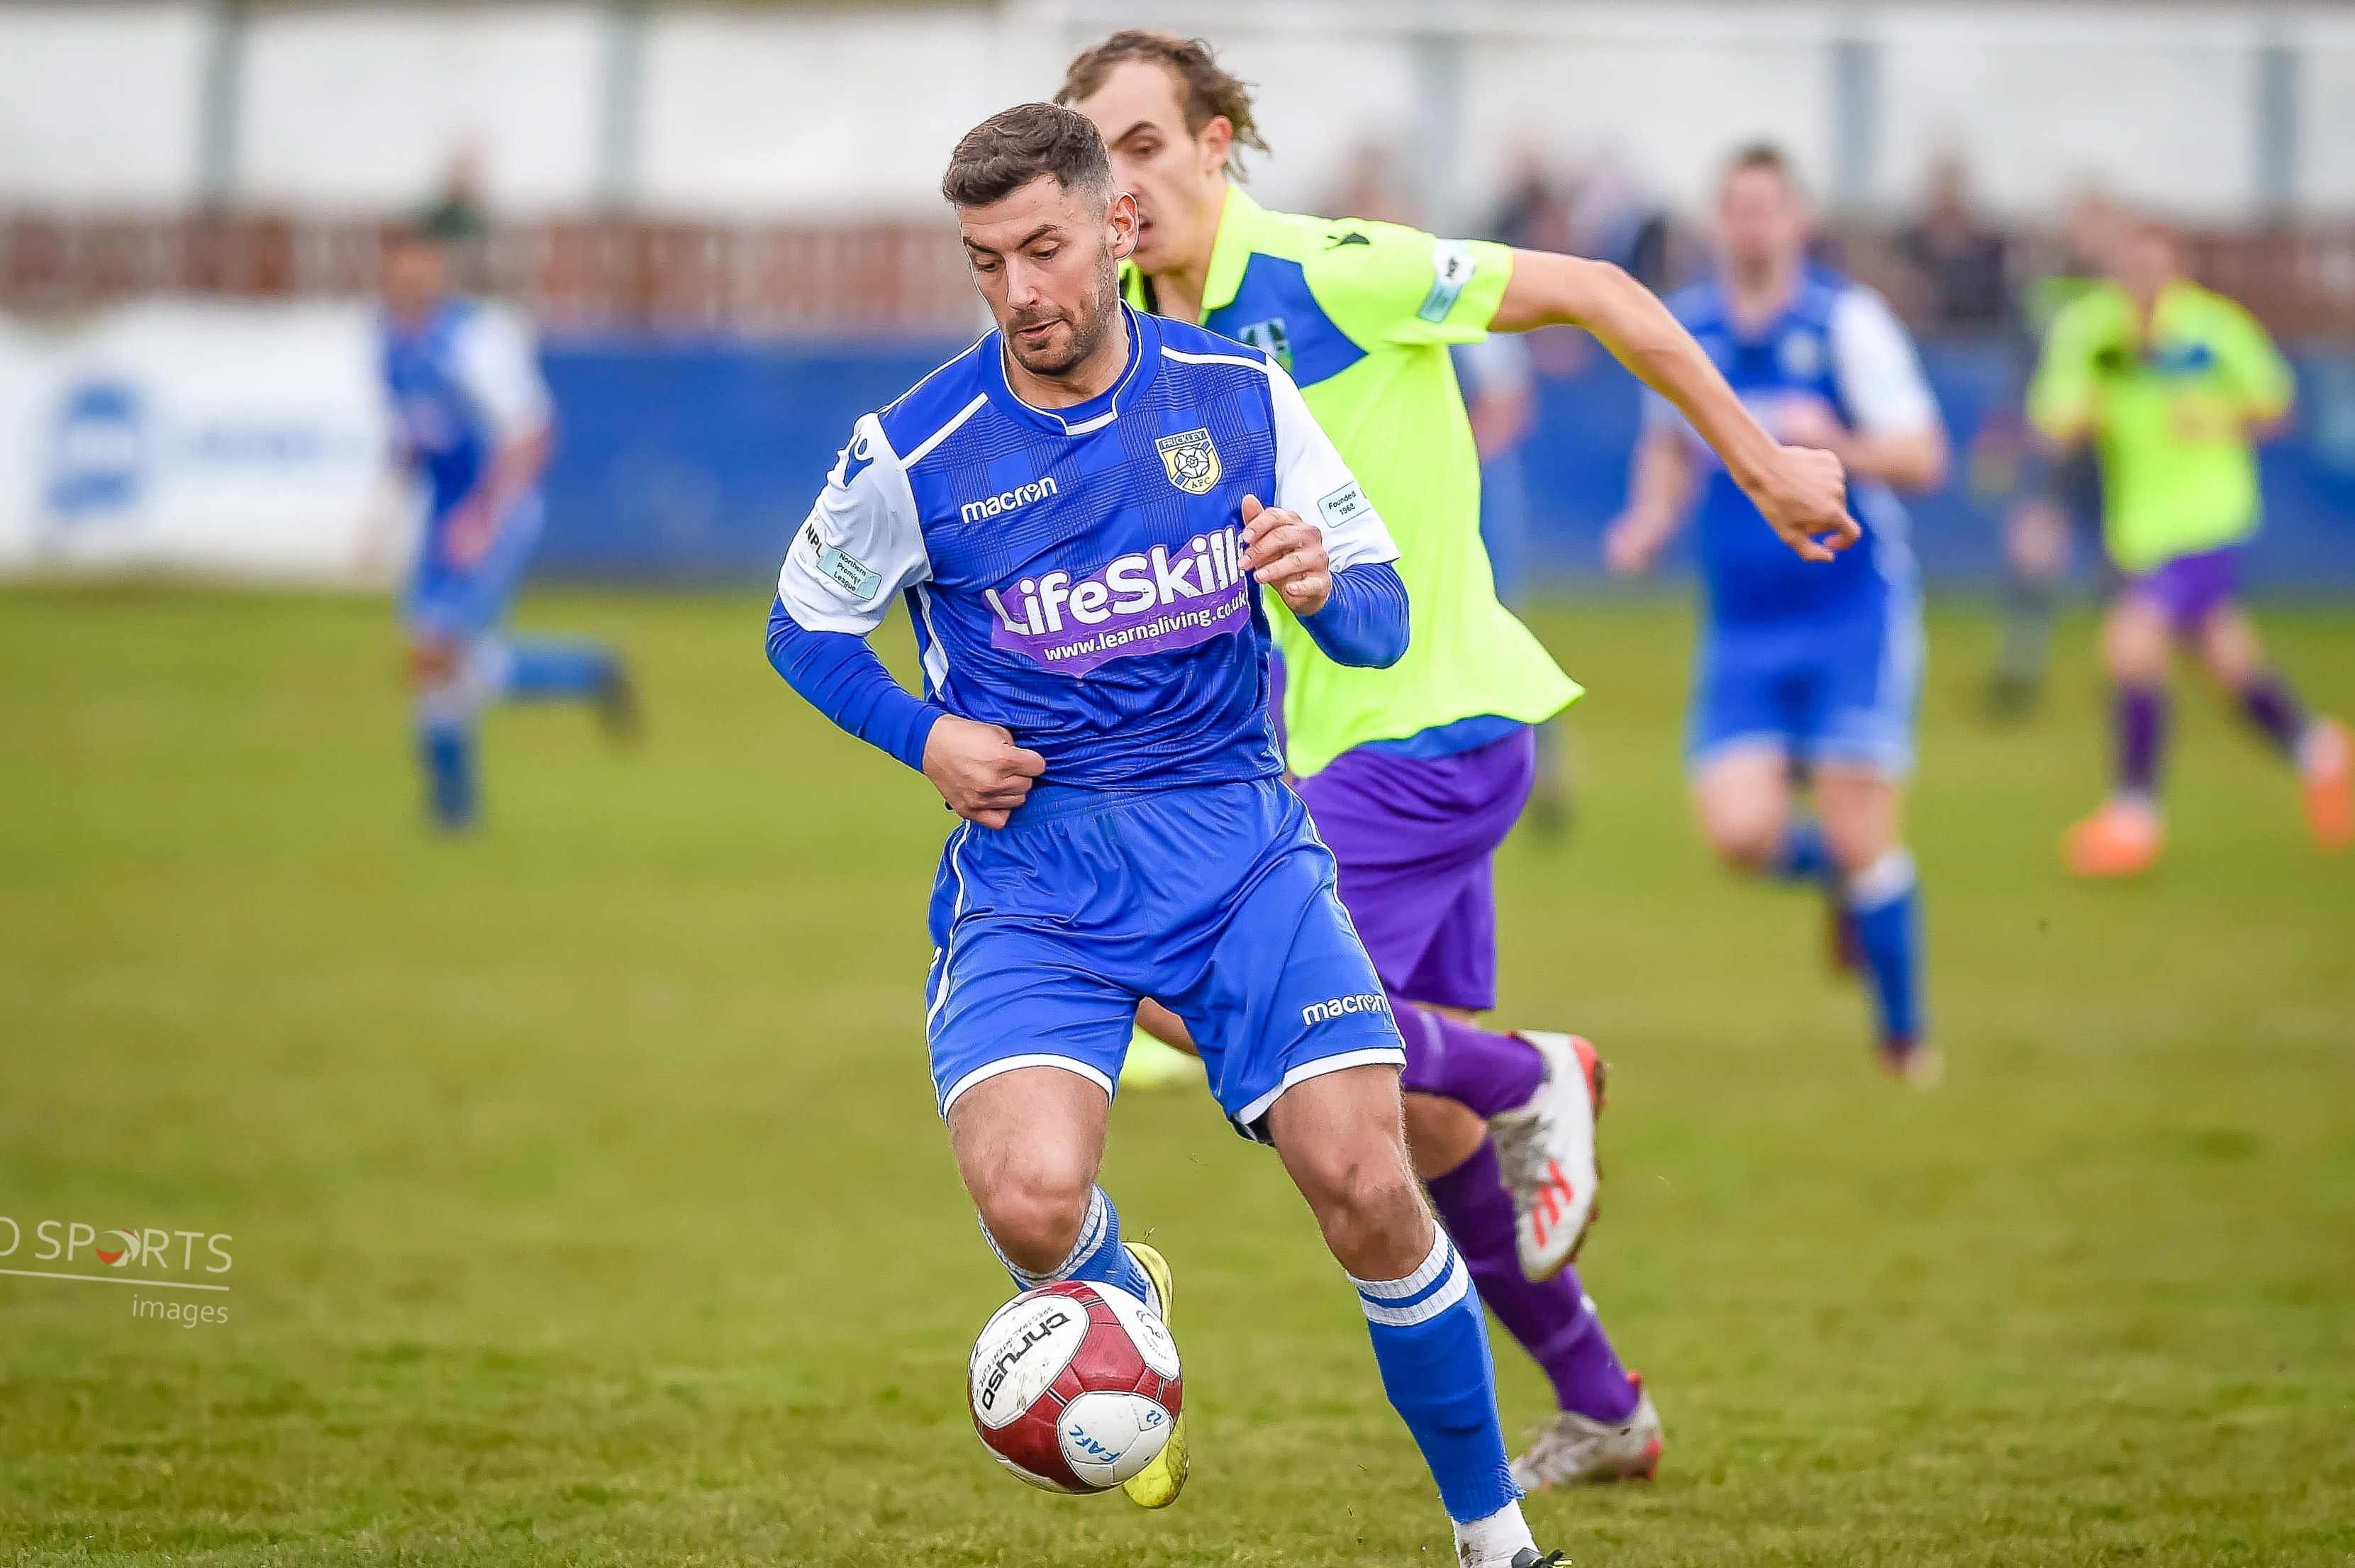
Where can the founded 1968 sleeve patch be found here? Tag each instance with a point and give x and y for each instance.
(1343, 506)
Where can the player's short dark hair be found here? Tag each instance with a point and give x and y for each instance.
(1206, 87)
(1016, 145)
(1761, 156)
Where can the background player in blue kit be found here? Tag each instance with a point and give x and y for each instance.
(1073, 510)
(476, 429)
(1807, 672)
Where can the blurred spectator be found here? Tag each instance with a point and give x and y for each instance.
(1531, 215)
(2058, 497)
(1959, 261)
(1615, 219)
(456, 219)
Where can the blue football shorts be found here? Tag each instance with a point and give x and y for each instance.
(1215, 900)
(463, 604)
(1832, 692)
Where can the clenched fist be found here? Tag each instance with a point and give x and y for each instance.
(1288, 555)
(1803, 494)
(978, 769)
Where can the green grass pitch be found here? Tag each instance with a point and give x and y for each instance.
(588, 1205)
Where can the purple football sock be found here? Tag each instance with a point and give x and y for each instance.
(1550, 1320)
(2142, 733)
(2272, 707)
(1488, 1072)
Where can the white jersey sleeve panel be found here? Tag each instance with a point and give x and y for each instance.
(497, 360)
(861, 543)
(1880, 375)
(1312, 480)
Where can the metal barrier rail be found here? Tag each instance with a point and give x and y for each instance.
(571, 274)
(626, 274)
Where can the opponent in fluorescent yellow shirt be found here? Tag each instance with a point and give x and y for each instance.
(2170, 407)
(1413, 778)
(2171, 382)
(1361, 313)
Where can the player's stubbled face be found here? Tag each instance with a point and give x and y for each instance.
(1177, 179)
(1047, 261)
(1760, 222)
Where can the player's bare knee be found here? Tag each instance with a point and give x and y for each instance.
(1745, 844)
(1035, 1212)
(1366, 1199)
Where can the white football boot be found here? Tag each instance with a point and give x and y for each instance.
(1545, 1150)
(1573, 1450)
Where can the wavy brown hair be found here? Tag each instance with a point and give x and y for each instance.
(1207, 89)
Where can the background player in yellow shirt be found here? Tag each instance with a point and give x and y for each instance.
(1415, 778)
(2171, 382)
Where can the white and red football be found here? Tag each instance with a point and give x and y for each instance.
(1074, 1386)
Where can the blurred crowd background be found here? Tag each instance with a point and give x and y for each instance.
(723, 218)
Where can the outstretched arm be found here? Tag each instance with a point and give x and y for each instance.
(1802, 493)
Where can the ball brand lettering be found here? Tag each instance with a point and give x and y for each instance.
(1036, 1334)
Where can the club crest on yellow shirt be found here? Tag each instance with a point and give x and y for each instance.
(1191, 461)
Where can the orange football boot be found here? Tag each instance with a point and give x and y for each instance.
(2327, 769)
(2122, 839)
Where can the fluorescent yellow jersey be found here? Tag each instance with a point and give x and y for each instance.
(1361, 313)
(2170, 412)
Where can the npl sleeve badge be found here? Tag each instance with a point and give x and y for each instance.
(1191, 461)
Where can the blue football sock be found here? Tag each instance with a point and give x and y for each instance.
(551, 666)
(1097, 1255)
(1886, 899)
(1432, 1343)
(1806, 858)
(447, 752)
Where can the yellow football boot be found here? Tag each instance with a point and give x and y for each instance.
(1159, 1484)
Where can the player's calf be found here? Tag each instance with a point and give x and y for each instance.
(1341, 1139)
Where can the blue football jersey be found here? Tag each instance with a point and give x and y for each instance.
(463, 383)
(1838, 343)
(1072, 573)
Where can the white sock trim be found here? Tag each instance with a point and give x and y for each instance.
(1092, 1235)
(1884, 882)
(1430, 1269)
(1439, 1283)
(1491, 1542)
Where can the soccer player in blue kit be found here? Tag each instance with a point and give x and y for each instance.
(1080, 511)
(475, 428)
(1807, 672)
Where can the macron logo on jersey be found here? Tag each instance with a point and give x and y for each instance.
(1007, 501)
(1315, 1013)
(1146, 601)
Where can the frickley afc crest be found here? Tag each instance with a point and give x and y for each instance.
(1192, 462)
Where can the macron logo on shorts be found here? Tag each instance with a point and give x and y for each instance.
(1315, 1013)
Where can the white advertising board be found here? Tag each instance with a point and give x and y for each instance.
(229, 439)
